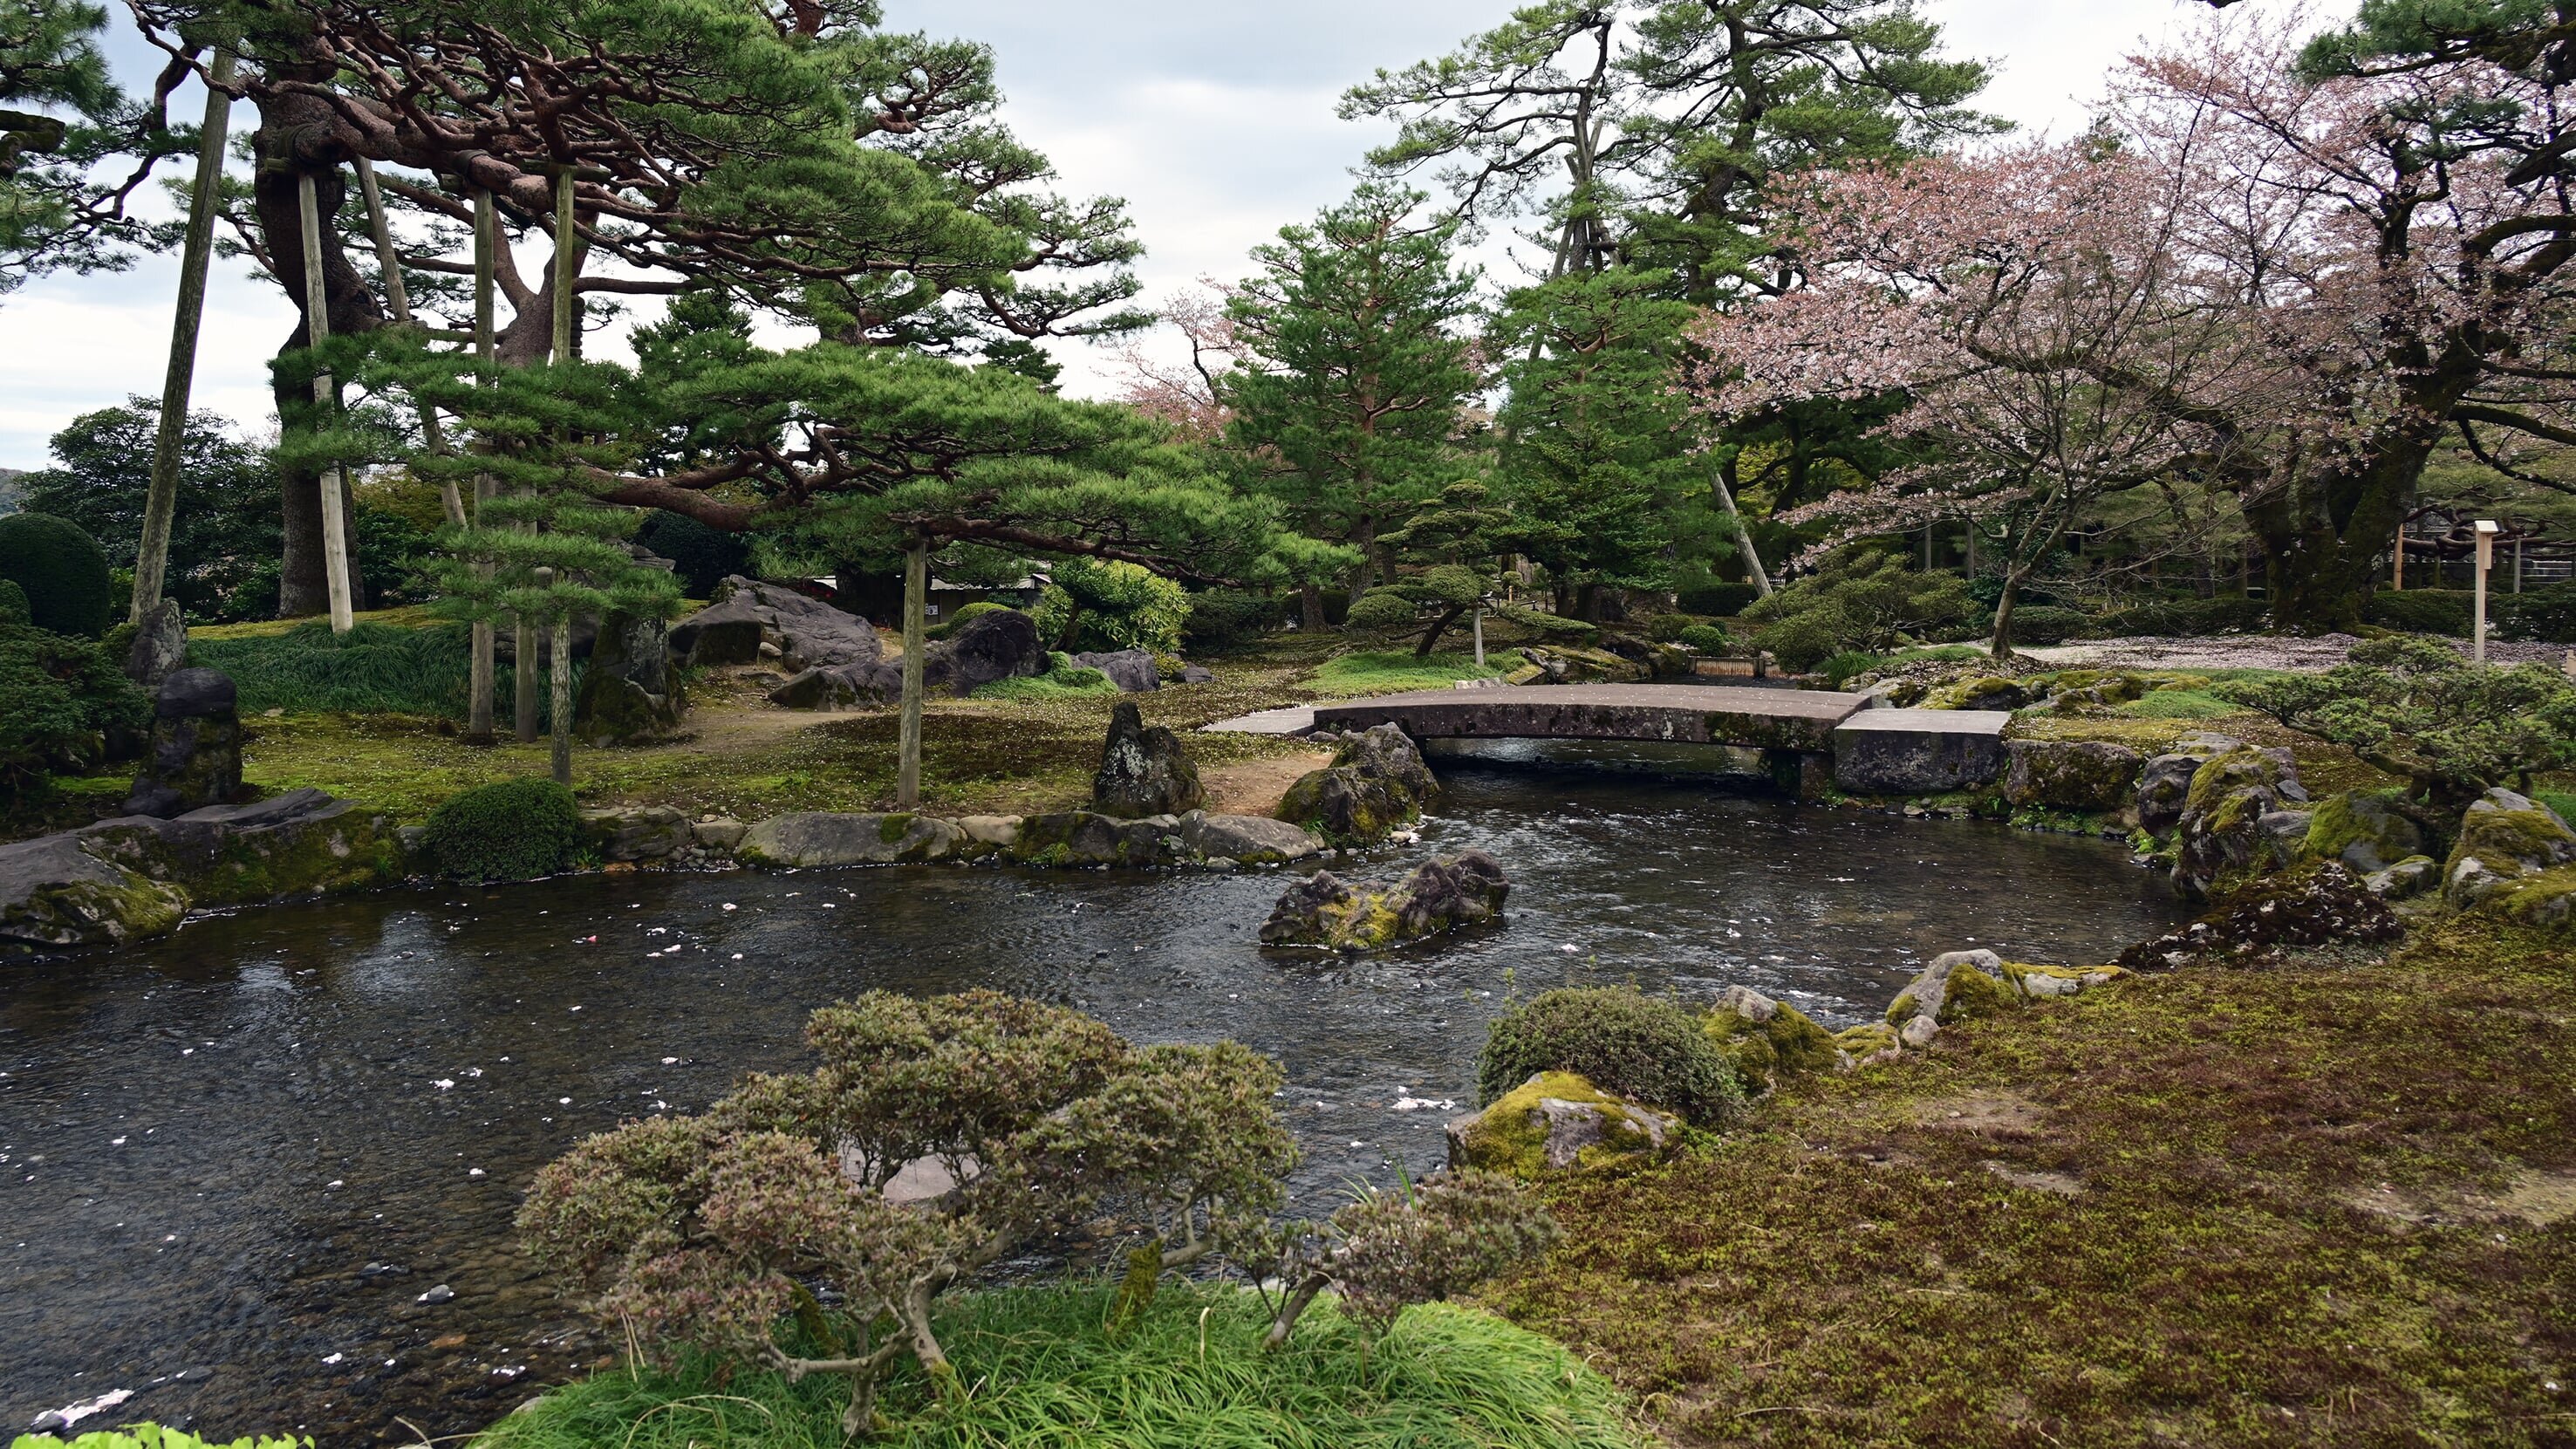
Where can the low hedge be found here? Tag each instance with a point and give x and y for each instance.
(516, 830)
(1620, 1040)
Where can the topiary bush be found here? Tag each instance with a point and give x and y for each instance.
(1707, 638)
(1619, 1039)
(2547, 613)
(2423, 611)
(2182, 618)
(60, 699)
(515, 830)
(62, 571)
(1380, 611)
(1094, 606)
(2048, 624)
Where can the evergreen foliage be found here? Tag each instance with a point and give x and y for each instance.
(1861, 600)
(515, 830)
(62, 571)
(702, 557)
(224, 534)
(59, 698)
(1090, 606)
(1619, 1039)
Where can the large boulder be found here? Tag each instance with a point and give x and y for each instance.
(630, 694)
(1247, 839)
(1079, 838)
(2317, 905)
(1144, 770)
(160, 645)
(55, 894)
(2164, 786)
(2365, 830)
(826, 838)
(830, 688)
(728, 631)
(988, 648)
(636, 832)
(1440, 895)
(195, 757)
(1132, 670)
(1558, 1122)
(2086, 775)
(2238, 820)
(2503, 838)
(1377, 782)
(1767, 1040)
(808, 633)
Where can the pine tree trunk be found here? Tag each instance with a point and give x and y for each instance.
(152, 556)
(559, 706)
(1310, 602)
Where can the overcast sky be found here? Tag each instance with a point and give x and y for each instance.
(1213, 118)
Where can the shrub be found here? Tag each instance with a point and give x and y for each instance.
(62, 571)
(1620, 1040)
(13, 603)
(2180, 618)
(704, 1233)
(150, 1436)
(2547, 613)
(966, 614)
(375, 668)
(1858, 600)
(1708, 638)
(1842, 668)
(1381, 611)
(1667, 628)
(1108, 606)
(2422, 611)
(515, 830)
(1721, 601)
(703, 557)
(1064, 679)
(1227, 618)
(2047, 624)
(59, 699)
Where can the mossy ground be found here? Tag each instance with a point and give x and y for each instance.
(2316, 1205)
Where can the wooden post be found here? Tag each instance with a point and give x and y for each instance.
(478, 706)
(916, 590)
(398, 301)
(1743, 535)
(567, 268)
(2397, 566)
(152, 557)
(317, 330)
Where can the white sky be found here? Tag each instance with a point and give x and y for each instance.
(1213, 118)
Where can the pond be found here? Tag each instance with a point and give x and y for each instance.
(233, 1163)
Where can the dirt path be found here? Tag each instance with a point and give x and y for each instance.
(2260, 651)
(1254, 787)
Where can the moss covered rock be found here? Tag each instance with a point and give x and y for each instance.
(2164, 785)
(2086, 775)
(1440, 895)
(1767, 1041)
(57, 894)
(2319, 904)
(1988, 691)
(1574, 664)
(1869, 1042)
(1558, 1122)
(2544, 898)
(2503, 838)
(1377, 783)
(2364, 830)
(826, 838)
(2238, 820)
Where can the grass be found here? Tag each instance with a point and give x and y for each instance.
(1074, 682)
(410, 616)
(2559, 800)
(1392, 671)
(2183, 704)
(418, 668)
(2321, 1205)
(1189, 1374)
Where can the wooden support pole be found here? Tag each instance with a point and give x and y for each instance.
(559, 686)
(916, 590)
(152, 556)
(567, 311)
(317, 330)
(478, 707)
(398, 301)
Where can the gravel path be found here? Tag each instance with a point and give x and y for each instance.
(2262, 651)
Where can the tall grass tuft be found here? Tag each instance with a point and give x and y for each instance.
(1041, 1369)
(372, 669)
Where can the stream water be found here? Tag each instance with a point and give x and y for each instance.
(232, 1163)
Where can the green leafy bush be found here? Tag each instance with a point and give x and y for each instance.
(1858, 600)
(966, 614)
(1381, 611)
(515, 830)
(2182, 618)
(13, 603)
(1094, 606)
(1707, 638)
(59, 699)
(62, 571)
(150, 1436)
(1719, 601)
(2547, 613)
(1552, 626)
(1064, 679)
(1667, 628)
(2422, 611)
(2047, 624)
(1620, 1040)
(1842, 668)
(1229, 618)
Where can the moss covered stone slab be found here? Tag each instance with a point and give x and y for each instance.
(2364, 830)
(2086, 775)
(1918, 751)
(1558, 1122)
(826, 838)
(56, 895)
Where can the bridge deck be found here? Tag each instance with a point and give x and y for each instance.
(1788, 719)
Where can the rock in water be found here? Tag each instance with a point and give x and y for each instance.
(1441, 895)
(629, 694)
(160, 645)
(195, 758)
(1559, 1122)
(1377, 782)
(1144, 771)
(1132, 670)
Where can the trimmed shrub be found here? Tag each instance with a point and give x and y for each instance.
(2547, 613)
(2046, 624)
(2180, 618)
(1111, 606)
(1227, 618)
(1722, 601)
(703, 557)
(62, 571)
(2422, 611)
(1619, 1039)
(1381, 611)
(1859, 600)
(1707, 638)
(13, 603)
(515, 830)
(59, 699)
